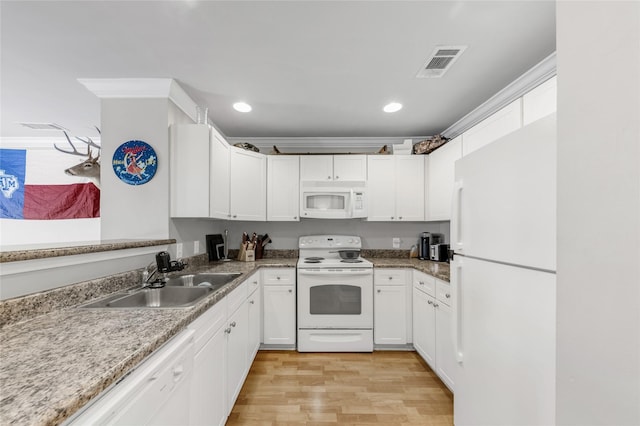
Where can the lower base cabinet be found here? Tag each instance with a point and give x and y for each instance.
(279, 308)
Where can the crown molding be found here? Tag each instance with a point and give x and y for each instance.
(535, 76)
(135, 88)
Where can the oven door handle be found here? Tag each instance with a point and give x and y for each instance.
(335, 272)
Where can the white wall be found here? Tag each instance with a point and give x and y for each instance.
(129, 211)
(375, 235)
(598, 287)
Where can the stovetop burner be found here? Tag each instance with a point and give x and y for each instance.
(351, 261)
(314, 258)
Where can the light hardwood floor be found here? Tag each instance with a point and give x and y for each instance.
(389, 388)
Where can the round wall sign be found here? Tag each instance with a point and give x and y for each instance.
(135, 162)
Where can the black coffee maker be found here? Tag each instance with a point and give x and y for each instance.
(424, 244)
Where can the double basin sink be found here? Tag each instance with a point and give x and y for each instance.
(179, 292)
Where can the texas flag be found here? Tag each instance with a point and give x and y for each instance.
(25, 193)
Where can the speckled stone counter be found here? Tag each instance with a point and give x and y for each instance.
(9, 254)
(53, 364)
(439, 270)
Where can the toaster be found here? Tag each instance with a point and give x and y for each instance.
(439, 252)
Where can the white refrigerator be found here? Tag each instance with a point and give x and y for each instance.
(503, 233)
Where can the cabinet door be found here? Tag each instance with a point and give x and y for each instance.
(316, 167)
(540, 101)
(381, 188)
(445, 356)
(208, 404)
(237, 347)
(441, 178)
(505, 121)
(389, 305)
(279, 323)
(255, 324)
(350, 167)
(219, 194)
(189, 154)
(283, 188)
(424, 326)
(248, 185)
(409, 187)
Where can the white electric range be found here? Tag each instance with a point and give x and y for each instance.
(335, 296)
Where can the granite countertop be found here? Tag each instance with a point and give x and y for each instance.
(15, 253)
(52, 365)
(55, 363)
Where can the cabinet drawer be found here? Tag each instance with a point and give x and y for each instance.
(443, 292)
(279, 276)
(253, 283)
(425, 283)
(236, 298)
(209, 323)
(390, 277)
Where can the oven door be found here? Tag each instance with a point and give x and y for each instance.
(335, 298)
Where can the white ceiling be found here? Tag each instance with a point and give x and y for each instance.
(308, 68)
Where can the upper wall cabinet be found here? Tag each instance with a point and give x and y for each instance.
(441, 178)
(540, 102)
(333, 167)
(493, 127)
(189, 170)
(283, 187)
(219, 194)
(396, 187)
(248, 186)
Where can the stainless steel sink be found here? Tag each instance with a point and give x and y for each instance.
(165, 297)
(211, 280)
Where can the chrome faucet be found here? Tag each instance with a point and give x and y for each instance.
(161, 266)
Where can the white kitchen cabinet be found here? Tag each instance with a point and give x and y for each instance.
(248, 189)
(283, 188)
(333, 167)
(441, 178)
(391, 311)
(505, 121)
(189, 170)
(445, 355)
(208, 404)
(237, 331)
(220, 175)
(254, 306)
(396, 188)
(279, 308)
(540, 102)
(156, 392)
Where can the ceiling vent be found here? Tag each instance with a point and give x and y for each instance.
(43, 126)
(440, 61)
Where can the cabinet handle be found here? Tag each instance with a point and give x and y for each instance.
(390, 278)
(329, 177)
(435, 305)
(391, 217)
(251, 302)
(421, 282)
(379, 291)
(290, 291)
(337, 177)
(447, 295)
(255, 282)
(227, 331)
(235, 215)
(277, 278)
(400, 217)
(177, 372)
(233, 324)
(430, 302)
(295, 217)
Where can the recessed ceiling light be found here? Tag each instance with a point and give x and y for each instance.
(242, 107)
(392, 107)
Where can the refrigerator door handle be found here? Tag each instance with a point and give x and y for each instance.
(456, 218)
(456, 294)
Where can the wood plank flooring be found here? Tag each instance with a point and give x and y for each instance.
(390, 388)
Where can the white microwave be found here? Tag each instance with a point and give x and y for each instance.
(333, 200)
